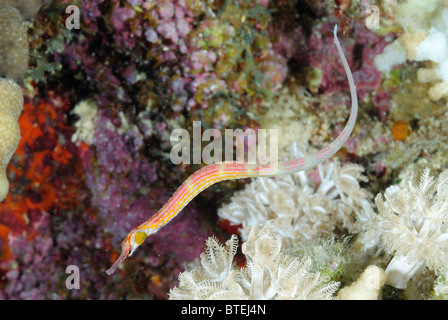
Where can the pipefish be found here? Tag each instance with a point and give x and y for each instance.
(215, 173)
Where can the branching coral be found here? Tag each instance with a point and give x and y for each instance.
(412, 225)
(269, 274)
(11, 105)
(300, 207)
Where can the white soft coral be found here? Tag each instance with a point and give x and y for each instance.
(303, 205)
(215, 278)
(412, 225)
(269, 274)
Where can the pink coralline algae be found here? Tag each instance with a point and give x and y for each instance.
(187, 56)
(26, 280)
(120, 15)
(67, 210)
(382, 102)
(364, 45)
(121, 180)
(159, 65)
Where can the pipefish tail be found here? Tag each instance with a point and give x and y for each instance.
(215, 173)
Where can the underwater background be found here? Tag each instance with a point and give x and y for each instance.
(103, 84)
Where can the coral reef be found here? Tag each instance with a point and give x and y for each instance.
(50, 221)
(191, 63)
(99, 104)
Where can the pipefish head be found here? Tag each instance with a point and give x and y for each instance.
(133, 240)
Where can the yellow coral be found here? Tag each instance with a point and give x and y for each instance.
(14, 52)
(11, 105)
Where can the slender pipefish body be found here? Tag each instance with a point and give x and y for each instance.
(214, 173)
